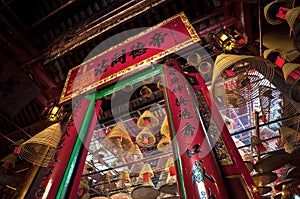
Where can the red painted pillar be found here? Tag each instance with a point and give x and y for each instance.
(198, 173)
(85, 149)
(237, 177)
(55, 170)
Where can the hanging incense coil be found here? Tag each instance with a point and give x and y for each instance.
(40, 148)
(235, 100)
(292, 17)
(204, 67)
(119, 134)
(146, 191)
(146, 174)
(194, 59)
(250, 72)
(124, 180)
(272, 54)
(171, 183)
(145, 91)
(164, 144)
(290, 137)
(164, 130)
(10, 159)
(269, 13)
(84, 185)
(134, 154)
(125, 176)
(145, 138)
(272, 162)
(147, 119)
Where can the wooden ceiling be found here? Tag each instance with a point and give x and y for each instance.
(41, 40)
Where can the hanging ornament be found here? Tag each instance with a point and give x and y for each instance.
(159, 85)
(171, 183)
(164, 130)
(147, 119)
(134, 154)
(145, 91)
(145, 138)
(164, 145)
(146, 191)
(194, 59)
(119, 136)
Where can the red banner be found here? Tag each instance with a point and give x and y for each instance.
(197, 169)
(135, 53)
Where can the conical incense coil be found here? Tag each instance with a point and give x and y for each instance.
(134, 154)
(119, 134)
(164, 144)
(164, 130)
(40, 148)
(146, 174)
(124, 176)
(145, 137)
(147, 119)
(145, 91)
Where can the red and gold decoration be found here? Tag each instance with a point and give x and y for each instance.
(172, 34)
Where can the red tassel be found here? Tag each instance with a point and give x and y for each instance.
(172, 171)
(146, 177)
(17, 150)
(146, 140)
(261, 147)
(147, 122)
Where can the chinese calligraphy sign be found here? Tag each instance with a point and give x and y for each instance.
(152, 44)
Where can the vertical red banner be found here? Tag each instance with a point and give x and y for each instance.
(198, 173)
(55, 170)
